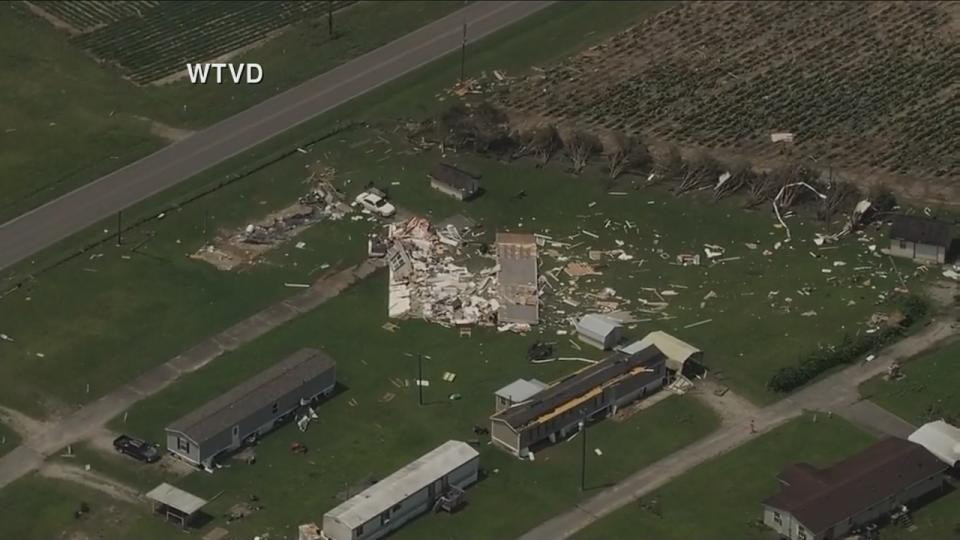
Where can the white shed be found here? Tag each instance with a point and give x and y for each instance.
(682, 357)
(940, 439)
(516, 392)
(601, 332)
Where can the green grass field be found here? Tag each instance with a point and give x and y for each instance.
(193, 300)
(347, 444)
(721, 498)
(68, 120)
(928, 391)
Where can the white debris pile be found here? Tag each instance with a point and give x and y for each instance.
(427, 283)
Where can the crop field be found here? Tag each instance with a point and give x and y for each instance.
(869, 88)
(87, 15)
(152, 41)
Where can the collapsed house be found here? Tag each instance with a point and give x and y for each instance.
(454, 181)
(558, 409)
(818, 504)
(426, 283)
(252, 408)
(434, 481)
(920, 238)
(682, 357)
(519, 294)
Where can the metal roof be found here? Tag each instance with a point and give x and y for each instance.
(253, 394)
(940, 439)
(922, 230)
(676, 350)
(521, 390)
(577, 384)
(403, 483)
(517, 257)
(176, 498)
(596, 325)
(463, 181)
(821, 498)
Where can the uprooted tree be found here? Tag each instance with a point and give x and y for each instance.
(579, 146)
(480, 127)
(624, 153)
(670, 168)
(760, 189)
(541, 142)
(701, 170)
(839, 196)
(740, 174)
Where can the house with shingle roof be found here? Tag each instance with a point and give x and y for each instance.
(820, 504)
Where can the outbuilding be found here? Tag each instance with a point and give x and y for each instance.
(175, 504)
(416, 488)
(518, 391)
(454, 181)
(940, 439)
(252, 408)
(920, 238)
(682, 357)
(599, 331)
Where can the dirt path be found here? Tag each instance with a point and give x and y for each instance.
(25, 426)
(88, 422)
(91, 479)
(730, 406)
(834, 394)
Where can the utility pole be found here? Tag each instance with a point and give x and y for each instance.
(119, 228)
(463, 51)
(583, 453)
(420, 378)
(330, 18)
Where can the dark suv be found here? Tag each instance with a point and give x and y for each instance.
(137, 449)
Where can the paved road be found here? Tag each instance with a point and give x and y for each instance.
(836, 394)
(27, 234)
(43, 441)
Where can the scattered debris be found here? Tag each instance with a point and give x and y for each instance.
(700, 323)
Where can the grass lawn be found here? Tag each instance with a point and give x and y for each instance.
(35, 507)
(928, 391)
(68, 120)
(8, 439)
(103, 320)
(721, 498)
(378, 435)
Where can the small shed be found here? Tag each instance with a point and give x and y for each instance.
(921, 238)
(518, 391)
(454, 181)
(940, 439)
(682, 357)
(175, 504)
(599, 331)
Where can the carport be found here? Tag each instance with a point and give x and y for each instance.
(175, 504)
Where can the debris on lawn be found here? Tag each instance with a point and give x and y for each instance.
(427, 283)
(322, 202)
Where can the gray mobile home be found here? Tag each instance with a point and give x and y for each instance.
(597, 389)
(405, 494)
(251, 408)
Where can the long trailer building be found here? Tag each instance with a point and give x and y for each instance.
(405, 494)
(559, 408)
(251, 408)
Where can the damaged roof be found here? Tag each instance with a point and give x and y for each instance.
(820, 498)
(252, 395)
(577, 384)
(922, 230)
